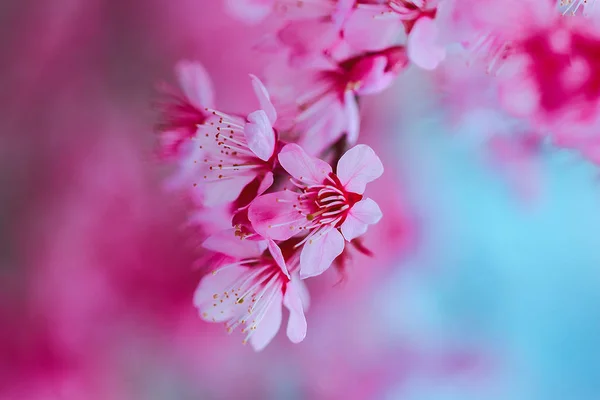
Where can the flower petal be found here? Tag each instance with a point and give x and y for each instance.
(265, 183)
(302, 166)
(365, 32)
(274, 216)
(421, 45)
(250, 11)
(318, 254)
(260, 135)
(226, 242)
(302, 291)
(268, 327)
(211, 284)
(222, 191)
(296, 327)
(278, 256)
(264, 99)
(352, 116)
(357, 167)
(307, 39)
(361, 215)
(195, 83)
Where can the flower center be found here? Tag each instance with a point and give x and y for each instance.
(328, 203)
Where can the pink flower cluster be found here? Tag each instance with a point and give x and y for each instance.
(273, 210)
(273, 213)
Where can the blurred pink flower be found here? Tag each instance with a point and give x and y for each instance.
(319, 103)
(326, 204)
(183, 113)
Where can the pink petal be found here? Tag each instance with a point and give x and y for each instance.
(187, 170)
(268, 327)
(302, 166)
(307, 39)
(216, 283)
(421, 45)
(357, 167)
(224, 190)
(302, 291)
(250, 11)
(214, 219)
(265, 183)
(278, 256)
(296, 328)
(342, 11)
(361, 215)
(195, 83)
(319, 252)
(273, 215)
(260, 135)
(365, 32)
(264, 99)
(326, 128)
(352, 116)
(226, 242)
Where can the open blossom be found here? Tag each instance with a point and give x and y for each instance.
(321, 103)
(186, 109)
(250, 287)
(230, 152)
(327, 207)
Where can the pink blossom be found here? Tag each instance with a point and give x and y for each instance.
(186, 110)
(250, 287)
(230, 152)
(309, 30)
(328, 207)
(552, 80)
(321, 102)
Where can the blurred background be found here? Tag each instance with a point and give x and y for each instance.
(476, 291)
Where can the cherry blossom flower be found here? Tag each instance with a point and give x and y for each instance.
(328, 208)
(230, 152)
(186, 110)
(319, 104)
(249, 288)
(552, 80)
